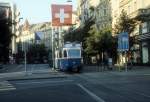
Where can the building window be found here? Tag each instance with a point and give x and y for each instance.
(144, 28)
(148, 26)
(129, 9)
(105, 12)
(136, 31)
(135, 6)
(65, 53)
(100, 14)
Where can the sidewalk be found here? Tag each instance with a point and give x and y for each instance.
(136, 70)
(11, 68)
(8, 68)
(32, 75)
(116, 69)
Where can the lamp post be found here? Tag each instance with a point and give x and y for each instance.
(25, 59)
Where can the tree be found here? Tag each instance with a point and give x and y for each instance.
(81, 33)
(99, 42)
(126, 24)
(5, 39)
(91, 41)
(37, 52)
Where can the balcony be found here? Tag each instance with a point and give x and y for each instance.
(141, 14)
(123, 2)
(142, 37)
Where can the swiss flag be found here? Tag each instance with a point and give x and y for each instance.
(61, 15)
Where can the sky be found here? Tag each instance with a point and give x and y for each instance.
(37, 11)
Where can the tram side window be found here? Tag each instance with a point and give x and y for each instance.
(60, 54)
(65, 53)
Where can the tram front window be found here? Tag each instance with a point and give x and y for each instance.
(73, 53)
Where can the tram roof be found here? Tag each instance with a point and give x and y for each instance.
(72, 45)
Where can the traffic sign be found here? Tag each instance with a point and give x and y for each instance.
(123, 42)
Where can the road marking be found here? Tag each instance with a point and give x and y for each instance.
(146, 74)
(5, 85)
(94, 96)
(142, 94)
(42, 82)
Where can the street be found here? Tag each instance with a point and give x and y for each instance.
(75, 51)
(21, 67)
(106, 86)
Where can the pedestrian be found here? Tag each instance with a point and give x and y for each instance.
(105, 60)
(130, 62)
(11, 59)
(110, 64)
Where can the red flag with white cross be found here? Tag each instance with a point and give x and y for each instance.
(61, 15)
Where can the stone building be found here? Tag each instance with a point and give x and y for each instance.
(140, 11)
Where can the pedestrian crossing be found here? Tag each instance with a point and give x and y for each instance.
(5, 86)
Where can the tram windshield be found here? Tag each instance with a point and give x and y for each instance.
(74, 53)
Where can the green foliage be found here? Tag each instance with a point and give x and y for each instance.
(5, 39)
(92, 8)
(99, 41)
(125, 24)
(37, 53)
(79, 34)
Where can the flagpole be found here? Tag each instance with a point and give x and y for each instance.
(53, 51)
(58, 20)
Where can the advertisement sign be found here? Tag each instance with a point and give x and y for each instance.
(123, 42)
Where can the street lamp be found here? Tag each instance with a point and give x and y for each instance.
(25, 58)
(23, 45)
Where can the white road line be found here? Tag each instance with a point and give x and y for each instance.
(94, 96)
(146, 74)
(37, 82)
(5, 89)
(5, 85)
(142, 94)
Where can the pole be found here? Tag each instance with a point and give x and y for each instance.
(119, 55)
(102, 61)
(53, 48)
(25, 61)
(126, 66)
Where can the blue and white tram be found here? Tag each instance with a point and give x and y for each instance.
(69, 57)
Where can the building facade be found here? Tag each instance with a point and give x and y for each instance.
(26, 38)
(103, 14)
(34, 34)
(140, 11)
(12, 14)
(86, 9)
(99, 10)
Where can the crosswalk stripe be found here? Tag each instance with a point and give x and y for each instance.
(5, 85)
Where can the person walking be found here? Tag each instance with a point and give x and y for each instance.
(105, 61)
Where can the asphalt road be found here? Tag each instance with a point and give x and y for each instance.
(85, 87)
(21, 67)
(48, 90)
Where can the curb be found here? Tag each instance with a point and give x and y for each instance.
(34, 78)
